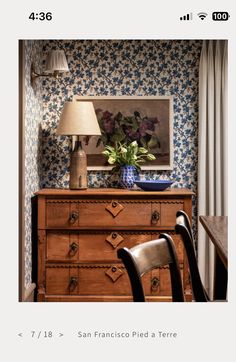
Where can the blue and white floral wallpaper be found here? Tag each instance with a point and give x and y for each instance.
(121, 67)
(124, 67)
(33, 115)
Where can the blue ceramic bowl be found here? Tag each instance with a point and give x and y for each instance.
(157, 185)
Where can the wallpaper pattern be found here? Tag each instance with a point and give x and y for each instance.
(107, 67)
(33, 117)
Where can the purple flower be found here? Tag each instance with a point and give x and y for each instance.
(147, 124)
(106, 121)
(132, 134)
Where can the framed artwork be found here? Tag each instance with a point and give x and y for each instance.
(148, 120)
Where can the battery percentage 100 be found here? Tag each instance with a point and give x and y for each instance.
(220, 15)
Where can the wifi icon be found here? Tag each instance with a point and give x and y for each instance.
(202, 15)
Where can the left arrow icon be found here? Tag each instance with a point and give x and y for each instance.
(20, 334)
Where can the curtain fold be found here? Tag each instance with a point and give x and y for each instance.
(212, 146)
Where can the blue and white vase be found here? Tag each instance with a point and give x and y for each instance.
(128, 174)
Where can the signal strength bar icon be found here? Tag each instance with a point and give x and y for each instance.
(187, 17)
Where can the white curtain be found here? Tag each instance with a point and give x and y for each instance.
(212, 147)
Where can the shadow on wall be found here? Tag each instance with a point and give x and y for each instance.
(34, 238)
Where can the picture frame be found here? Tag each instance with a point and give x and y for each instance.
(146, 119)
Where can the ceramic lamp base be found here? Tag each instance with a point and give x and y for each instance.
(78, 168)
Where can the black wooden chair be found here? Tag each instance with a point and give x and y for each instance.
(150, 255)
(183, 227)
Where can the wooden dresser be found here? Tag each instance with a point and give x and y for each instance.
(79, 233)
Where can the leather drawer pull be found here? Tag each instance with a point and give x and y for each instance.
(73, 283)
(114, 208)
(155, 217)
(74, 217)
(114, 273)
(114, 239)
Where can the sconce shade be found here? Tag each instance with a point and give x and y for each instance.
(56, 61)
(78, 119)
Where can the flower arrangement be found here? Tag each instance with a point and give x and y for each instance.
(127, 155)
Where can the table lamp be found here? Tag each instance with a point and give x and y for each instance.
(78, 119)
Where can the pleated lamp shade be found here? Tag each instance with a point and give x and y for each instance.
(56, 61)
(78, 119)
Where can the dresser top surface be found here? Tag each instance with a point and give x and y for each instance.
(113, 192)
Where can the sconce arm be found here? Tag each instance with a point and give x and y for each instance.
(34, 75)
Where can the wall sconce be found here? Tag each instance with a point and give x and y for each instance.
(56, 63)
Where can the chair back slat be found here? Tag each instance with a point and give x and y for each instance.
(152, 254)
(144, 257)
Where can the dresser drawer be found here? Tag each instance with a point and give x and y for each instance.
(115, 213)
(90, 246)
(102, 280)
(96, 246)
(87, 280)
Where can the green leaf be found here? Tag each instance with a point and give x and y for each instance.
(106, 153)
(104, 139)
(142, 150)
(111, 160)
(154, 142)
(151, 157)
(143, 142)
(135, 125)
(118, 135)
(118, 117)
(110, 148)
